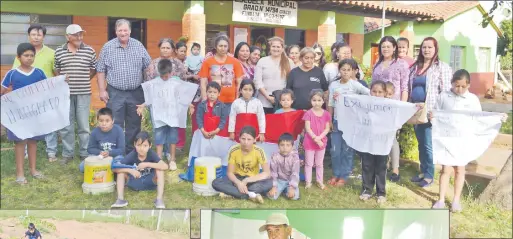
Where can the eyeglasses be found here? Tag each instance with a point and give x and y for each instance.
(318, 53)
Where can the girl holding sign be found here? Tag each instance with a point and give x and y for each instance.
(17, 78)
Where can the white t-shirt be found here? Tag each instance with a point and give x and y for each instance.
(351, 87)
(447, 100)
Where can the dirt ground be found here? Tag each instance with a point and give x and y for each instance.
(9, 228)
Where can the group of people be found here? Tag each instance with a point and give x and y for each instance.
(287, 79)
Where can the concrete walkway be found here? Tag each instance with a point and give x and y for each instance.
(491, 162)
(497, 107)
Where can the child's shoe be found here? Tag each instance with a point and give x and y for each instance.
(159, 204)
(456, 207)
(381, 199)
(394, 177)
(224, 196)
(332, 181)
(365, 196)
(425, 184)
(438, 205)
(51, 158)
(321, 185)
(172, 165)
(120, 203)
(416, 179)
(308, 185)
(258, 199)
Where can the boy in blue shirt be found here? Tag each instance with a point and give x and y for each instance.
(32, 232)
(211, 107)
(108, 139)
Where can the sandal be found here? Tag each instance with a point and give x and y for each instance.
(38, 175)
(332, 181)
(340, 183)
(21, 180)
(321, 185)
(52, 159)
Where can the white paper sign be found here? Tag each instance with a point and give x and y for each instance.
(369, 124)
(266, 12)
(241, 35)
(462, 136)
(37, 109)
(169, 101)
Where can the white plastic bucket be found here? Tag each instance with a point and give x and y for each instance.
(98, 176)
(206, 169)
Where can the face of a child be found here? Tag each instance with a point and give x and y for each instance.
(460, 87)
(246, 142)
(390, 92)
(378, 91)
(165, 76)
(285, 147)
(142, 147)
(346, 72)
(247, 92)
(212, 94)
(402, 48)
(105, 123)
(27, 58)
(317, 102)
(286, 101)
(195, 50)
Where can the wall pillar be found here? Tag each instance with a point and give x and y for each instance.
(310, 37)
(408, 33)
(356, 44)
(327, 30)
(194, 24)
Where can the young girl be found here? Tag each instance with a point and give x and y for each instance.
(396, 151)
(341, 154)
(317, 125)
(458, 98)
(17, 78)
(286, 100)
(374, 167)
(403, 44)
(247, 103)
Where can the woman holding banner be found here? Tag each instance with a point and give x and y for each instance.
(391, 68)
(429, 76)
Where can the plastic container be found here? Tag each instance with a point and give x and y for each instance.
(98, 176)
(206, 169)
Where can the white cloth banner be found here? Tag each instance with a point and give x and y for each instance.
(219, 147)
(462, 136)
(37, 109)
(369, 124)
(169, 101)
(265, 12)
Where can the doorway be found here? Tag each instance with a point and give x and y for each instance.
(259, 36)
(374, 54)
(138, 28)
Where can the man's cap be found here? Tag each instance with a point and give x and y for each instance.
(73, 29)
(275, 219)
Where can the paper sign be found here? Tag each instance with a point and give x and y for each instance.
(462, 136)
(369, 124)
(37, 109)
(266, 12)
(241, 35)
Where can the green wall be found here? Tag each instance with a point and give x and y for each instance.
(349, 24)
(162, 10)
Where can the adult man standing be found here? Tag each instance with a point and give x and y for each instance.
(44, 60)
(122, 63)
(78, 61)
(277, 227)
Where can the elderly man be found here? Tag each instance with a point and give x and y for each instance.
(277, 227)
(78, 61)
(122, 63)
(44, 61)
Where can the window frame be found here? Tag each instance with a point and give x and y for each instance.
(488, 59)
(457, 57)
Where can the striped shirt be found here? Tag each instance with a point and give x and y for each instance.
(438, 80)
(77, 66)
(124, 67)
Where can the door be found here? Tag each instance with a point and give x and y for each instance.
(259, 36)
(138, 28)
(374, 54)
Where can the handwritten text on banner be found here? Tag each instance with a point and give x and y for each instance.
(37, 109)
(267, 12)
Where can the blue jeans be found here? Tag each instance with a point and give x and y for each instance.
(79, 112)
(283, 188)
(165, 135)
(423, 133)
(341, 154)
(81, 167)
(144, 183)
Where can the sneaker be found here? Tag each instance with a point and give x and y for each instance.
(424, 183)
(321, 185)
(308, 185)
(381, 199)
(456, 207)
(416, 179)
(120, 203)
(159, 203)
(394, 177)
(365, 196)
(438, 205)
(65, 160)
(258, 199)
(224, 196)
(172, 165)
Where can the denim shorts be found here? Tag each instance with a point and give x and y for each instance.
(143, 183)
(166, 135)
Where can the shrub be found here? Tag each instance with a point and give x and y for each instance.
(408, 143)
(92, 119)
(506, 62)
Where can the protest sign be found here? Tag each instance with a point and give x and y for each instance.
(265, 12)
(462, 136)
(37, 109)
(369, 124)
(169, 101)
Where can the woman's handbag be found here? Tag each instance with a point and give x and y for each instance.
(420, 117)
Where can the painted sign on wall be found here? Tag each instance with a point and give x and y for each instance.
(273, 12)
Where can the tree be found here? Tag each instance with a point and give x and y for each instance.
(502, 5)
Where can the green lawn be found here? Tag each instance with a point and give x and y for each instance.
(62, 190)
(506, 126)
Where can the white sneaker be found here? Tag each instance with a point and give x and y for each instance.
(172, 165)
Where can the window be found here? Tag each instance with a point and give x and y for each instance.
(295, 37)
(484, 59)
(457, 58)
(14, 28)
(416, 51)
(138, 29)
(212, 32)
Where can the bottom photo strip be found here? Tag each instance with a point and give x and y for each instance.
(95, 224)
(324, 224)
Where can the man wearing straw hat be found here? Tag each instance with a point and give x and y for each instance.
(277, 227)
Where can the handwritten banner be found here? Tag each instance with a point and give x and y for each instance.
(37, 109)
(274, 12)
(369, 124)
(462, 136)
(169, 101)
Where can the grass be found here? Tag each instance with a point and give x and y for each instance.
(62, 190)
(506, 126)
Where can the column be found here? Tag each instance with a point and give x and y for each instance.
(327, 30)
(356, 43)
(193, 24)
(408, 33)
